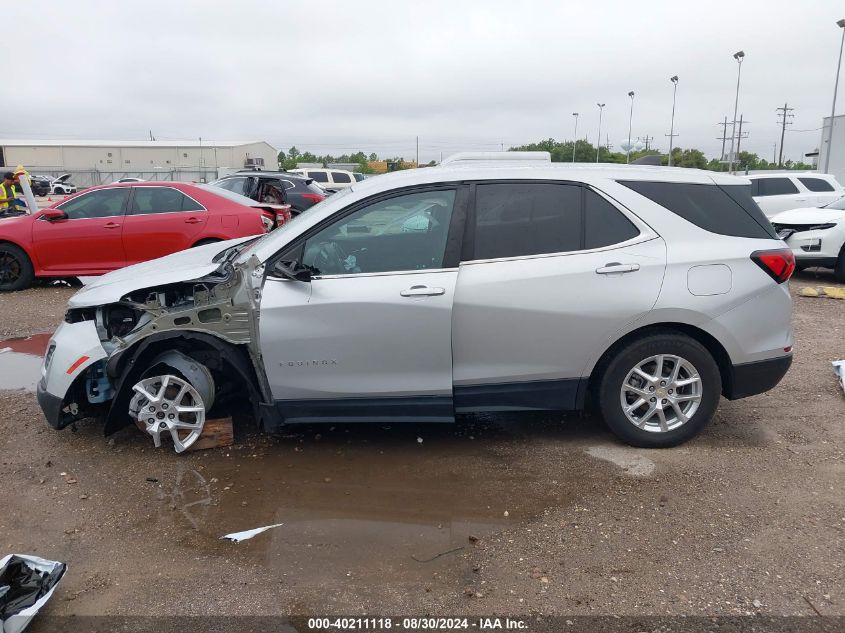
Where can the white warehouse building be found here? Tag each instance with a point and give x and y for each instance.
(97, 162)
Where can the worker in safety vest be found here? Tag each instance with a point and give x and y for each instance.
(8, 193)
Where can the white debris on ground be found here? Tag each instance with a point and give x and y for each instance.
(628, 459)
(237, 537)
(839, 370)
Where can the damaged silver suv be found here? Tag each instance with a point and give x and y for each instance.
(496, 282)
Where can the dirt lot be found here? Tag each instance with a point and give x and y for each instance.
(516, 514)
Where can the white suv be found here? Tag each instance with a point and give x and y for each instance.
(816, 236)
(780, 191)
(331, 179)
(479, 285)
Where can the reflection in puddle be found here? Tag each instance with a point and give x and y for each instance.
(20, 361)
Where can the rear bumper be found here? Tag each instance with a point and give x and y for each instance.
(749, 379)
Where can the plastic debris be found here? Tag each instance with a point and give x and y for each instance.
(237, 537)
(26, 584)
(839, 370)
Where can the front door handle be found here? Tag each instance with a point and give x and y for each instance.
(422, 291)
(111, 225)
(193, 221)
(616, 267)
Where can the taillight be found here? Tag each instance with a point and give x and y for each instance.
(778, 263)
(283, 215)
(313, 197)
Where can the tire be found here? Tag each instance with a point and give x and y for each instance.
(839, 269)
(16, 272)
(698, 399)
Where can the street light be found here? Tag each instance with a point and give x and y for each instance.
(630, 121)
(841, 25)
(598, 141)
(738, 56)
(575, 140)
(674, 81)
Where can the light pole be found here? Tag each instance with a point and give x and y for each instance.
(738, 56)
(630, 121)
(598, 141)
(841, 25)
(575, 139)
(674, 81)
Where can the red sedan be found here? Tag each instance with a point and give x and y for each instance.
(104, 228)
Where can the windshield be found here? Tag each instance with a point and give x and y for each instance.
(225, 193)
(838, 204)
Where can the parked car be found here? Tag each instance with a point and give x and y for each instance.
(62, 186)
(41, 185)
(130, 179)
(781, 191)
(300, 192)
(331, 179)
(108, 227)
(473, 286)
(816, 236)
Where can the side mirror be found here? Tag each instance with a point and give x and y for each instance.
(51, 215)
(292, 270)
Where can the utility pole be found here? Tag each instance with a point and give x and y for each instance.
(783, 120)
(739, 138)
(774, 152)
(418, 151)
(724, 137)
(575, 139)
(646, 140)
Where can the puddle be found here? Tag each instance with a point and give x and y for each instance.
(20, 361)
(364, 501)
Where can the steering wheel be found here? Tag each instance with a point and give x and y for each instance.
(330, 259)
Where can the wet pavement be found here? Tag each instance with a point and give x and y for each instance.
(20, 361)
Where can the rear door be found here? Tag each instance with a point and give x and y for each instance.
(821, 191)
(774, 195)
(89, 239)
(551, 272)
(369, 336)
(161, 220)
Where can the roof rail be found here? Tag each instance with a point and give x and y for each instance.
(462, 157)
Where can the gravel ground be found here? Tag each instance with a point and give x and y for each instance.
(507, 514)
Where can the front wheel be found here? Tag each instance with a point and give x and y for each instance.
(659, 390)
(839, 269)
(16, 272)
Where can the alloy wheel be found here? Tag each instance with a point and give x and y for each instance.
(169, 404)
(661, 393)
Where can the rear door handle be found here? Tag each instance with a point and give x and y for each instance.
(616, 267)
(193, 221)
(111, 225)
(422, 291)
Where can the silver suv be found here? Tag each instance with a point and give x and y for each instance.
(490, 283)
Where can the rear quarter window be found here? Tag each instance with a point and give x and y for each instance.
(775, 187)
(816, 184)
(725, 210)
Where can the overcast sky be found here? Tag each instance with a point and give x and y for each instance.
(372, 75)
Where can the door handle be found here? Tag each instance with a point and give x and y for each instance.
(422, 291)
(616, 267)
(111, 225)
(193, 221)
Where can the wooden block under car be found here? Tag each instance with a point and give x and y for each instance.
(217, 433)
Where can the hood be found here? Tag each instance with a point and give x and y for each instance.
(808, 215)
(62, 178)
(186, 265)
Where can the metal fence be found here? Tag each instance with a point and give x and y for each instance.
(91, 177)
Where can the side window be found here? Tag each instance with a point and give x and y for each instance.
(339, 176)
(513, 220)
(236, 185)
(271, 191)
(101, 203)
(407, 232)
(776, 187)
(148, 200)
(319, 176)
(727, 210)
(604, 224)
(288, 184)
(816, 184)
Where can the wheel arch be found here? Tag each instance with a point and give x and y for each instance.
(707, 340)
(127, 367)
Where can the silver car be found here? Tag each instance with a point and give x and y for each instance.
(496, 282)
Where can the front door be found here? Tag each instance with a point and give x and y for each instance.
(89, 240)
(370, 336)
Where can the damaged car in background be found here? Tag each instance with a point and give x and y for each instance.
(484, 284)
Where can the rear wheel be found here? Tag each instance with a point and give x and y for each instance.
(839, 269)
(659, 391)
(16, 272)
